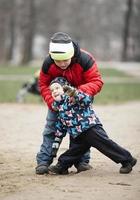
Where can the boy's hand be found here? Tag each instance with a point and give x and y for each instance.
(69, 90)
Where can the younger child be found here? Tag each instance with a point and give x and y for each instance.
(77, 117)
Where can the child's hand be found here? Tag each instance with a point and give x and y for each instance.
(57, 98)
(69, 90)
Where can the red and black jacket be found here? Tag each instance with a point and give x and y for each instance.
(82, 73)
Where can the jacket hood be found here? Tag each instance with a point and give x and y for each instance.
(76, 49)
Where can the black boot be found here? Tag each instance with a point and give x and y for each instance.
(42, 169)
(83, 167)
(127, 167)
(57, 169)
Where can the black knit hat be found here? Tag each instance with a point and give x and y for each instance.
(61, 37)
(61, 80)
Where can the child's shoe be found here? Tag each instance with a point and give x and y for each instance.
(127, 167)
(42, 169)
(83, 167)
(57, 169)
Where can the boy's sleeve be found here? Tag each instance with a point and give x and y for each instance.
(93, 81)
(44, 82)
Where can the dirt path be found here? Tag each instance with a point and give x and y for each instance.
(20, 139)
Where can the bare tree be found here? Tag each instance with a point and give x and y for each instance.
(134, 40)
(97, 25)
(2, 32)
(11, 31)
(3, 28)
(126, 32)
(48, 16)
(27, 29)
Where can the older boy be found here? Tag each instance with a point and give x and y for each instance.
(65, 59)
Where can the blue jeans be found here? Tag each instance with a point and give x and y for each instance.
(44, 155)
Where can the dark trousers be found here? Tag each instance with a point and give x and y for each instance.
(94, 137)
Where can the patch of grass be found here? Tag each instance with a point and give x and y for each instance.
(109, 72)
(111, 92)
(9, 69)
(17, 70)
(118, 93)
(9, 90)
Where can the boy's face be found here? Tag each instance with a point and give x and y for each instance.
(63, 64)
(56, 90)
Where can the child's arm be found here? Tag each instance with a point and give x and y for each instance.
(60, 133)
(56, 104)
(83, 99)
(78, 96)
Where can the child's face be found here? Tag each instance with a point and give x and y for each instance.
(56, 90)
(63, 64)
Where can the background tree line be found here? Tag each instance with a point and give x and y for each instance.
(110, 29)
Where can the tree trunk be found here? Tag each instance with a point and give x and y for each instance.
(10, 47)
(3, 27)
(28, 28)
(126, 32)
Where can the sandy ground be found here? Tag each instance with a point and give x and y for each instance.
(20, 138)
